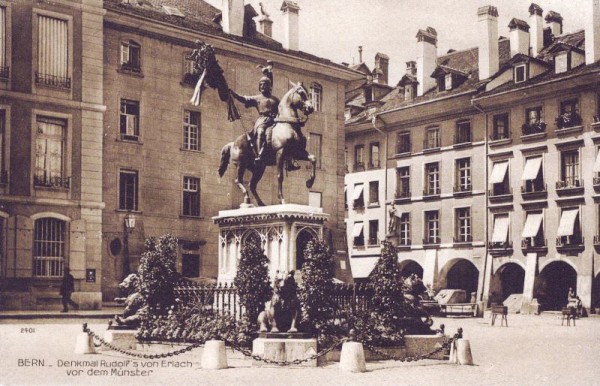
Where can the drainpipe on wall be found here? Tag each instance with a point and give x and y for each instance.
(485, 192)
(385, 159)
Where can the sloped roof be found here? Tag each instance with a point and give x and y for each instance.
(199, 16)
(575, 39)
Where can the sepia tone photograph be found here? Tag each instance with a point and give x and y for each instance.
(299, 192)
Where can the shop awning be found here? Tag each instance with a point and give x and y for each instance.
(362, 266)
(358, 190)
(567, 222)
(596, 168)
(500, 234)
(498, 172)
(532, 168)
(532, 224)
(357, 229)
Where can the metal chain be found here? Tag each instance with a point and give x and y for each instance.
(248, 353)
(139, 355)
(415, 358)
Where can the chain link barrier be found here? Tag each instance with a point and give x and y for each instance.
(246, 352)
(249, 354)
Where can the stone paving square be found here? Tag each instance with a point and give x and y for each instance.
(533, 350)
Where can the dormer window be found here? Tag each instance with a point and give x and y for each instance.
(520, 73)
(408, 92)
(448, 81)
(561, 63)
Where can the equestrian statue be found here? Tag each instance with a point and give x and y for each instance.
(276, 139)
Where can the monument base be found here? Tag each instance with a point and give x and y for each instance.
(283, 349)
(121, 338)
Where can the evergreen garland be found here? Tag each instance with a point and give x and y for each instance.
(252, 279)
(317, 287)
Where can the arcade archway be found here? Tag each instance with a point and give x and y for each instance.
(463, 275)
(410, 267)
(553, 283)
(512, 279)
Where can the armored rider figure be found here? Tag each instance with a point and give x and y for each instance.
(267, 106)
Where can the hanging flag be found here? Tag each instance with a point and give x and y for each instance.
(206, 64)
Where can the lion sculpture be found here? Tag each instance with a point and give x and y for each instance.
(282, 311)
(134, 303)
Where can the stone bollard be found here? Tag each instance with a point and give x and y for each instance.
(453, 357)
(214, 356)
(463, 352)
(352, 358)
(85, 344)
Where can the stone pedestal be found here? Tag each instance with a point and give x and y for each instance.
(282, 230)
(121, 338)
(282, 349)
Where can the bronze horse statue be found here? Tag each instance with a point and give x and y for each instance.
(286, 143)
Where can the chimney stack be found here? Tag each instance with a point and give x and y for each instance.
(555, 21)
(291, 27)
(537, 29)
(360, 54)
(265, 24)
(411, 68)
(489, 57)
(382, 62)
(519, 37)
(592, 31)
(232, 17)
(426, 59)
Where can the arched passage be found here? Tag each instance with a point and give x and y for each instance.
(410, 267)
(596, 291)
(553, 283)
(512, 279)
(463, 275)
(304, 236)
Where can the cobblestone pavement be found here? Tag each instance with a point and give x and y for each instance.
(533, 350)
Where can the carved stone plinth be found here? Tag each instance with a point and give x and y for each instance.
(282, 230)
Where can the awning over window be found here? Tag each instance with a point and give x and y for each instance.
(532, 168)
(567, 222)
(357, 229)
(358, 190)
(362, 266)
(532, 224)
(499, 172)
(500, 234)
(596, 168)
(400, 214)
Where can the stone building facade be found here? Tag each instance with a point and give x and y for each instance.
(51, 122)
(101, 147)
(523, 224)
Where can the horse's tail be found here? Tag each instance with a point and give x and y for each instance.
(225, 154)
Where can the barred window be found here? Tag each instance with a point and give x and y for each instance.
(50, 153)
(128, 190)
(403, 143)
(129, 120)
(316, 95)
(405, 229)
(463, 225)
(315, 147)
(131, 56)
(3, 44)
(191, 130)
(53, 52)
(432, 227)
(191, 196)
(48, 247)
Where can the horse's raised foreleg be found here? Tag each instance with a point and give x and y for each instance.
(240, 183)
(280, 162)
(256, 176)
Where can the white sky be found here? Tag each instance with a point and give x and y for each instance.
(334, 29)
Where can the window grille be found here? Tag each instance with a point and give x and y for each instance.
(48, 247)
